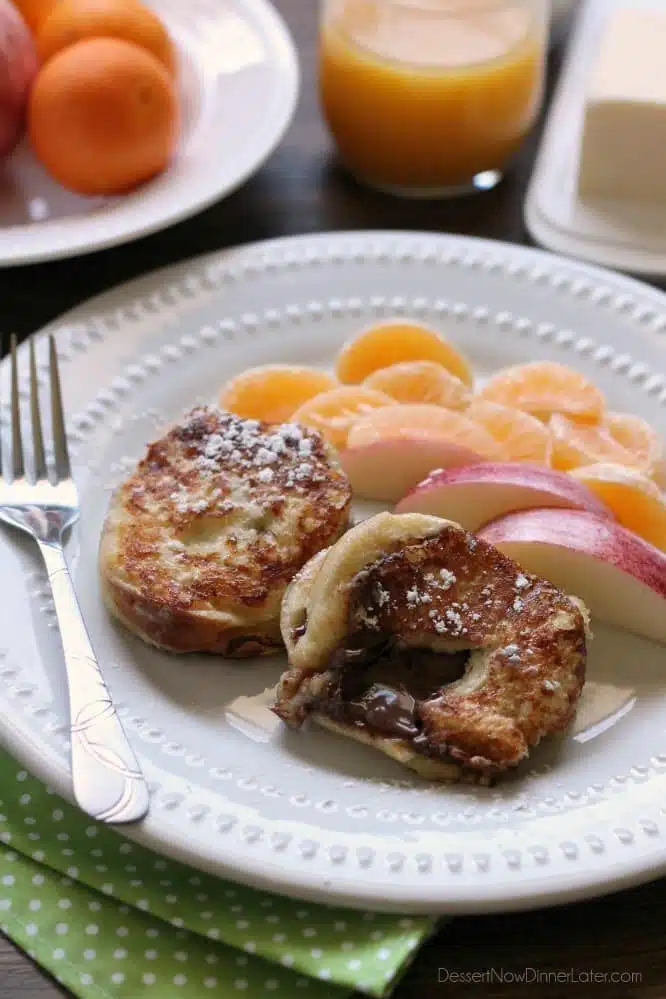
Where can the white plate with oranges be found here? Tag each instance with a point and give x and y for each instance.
(123, 117)
(537, 387)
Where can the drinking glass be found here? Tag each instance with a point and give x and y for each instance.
(431, 98)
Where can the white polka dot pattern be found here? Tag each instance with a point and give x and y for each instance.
(104, 921)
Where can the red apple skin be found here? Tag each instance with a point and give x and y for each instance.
(545, 482)
(18, 67)
(583, 532)
(385, 470)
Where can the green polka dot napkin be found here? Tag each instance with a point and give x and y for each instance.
(111, 920)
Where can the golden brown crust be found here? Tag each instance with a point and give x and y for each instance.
(327, 591)
(202, 539)
(396, 749)
(449, 592)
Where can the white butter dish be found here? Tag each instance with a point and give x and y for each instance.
(625, 234)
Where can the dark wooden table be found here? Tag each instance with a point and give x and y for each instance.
(301, 190)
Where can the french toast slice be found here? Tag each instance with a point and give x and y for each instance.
(202, 539)
(416, 637)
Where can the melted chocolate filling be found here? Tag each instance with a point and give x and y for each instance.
(379, 686)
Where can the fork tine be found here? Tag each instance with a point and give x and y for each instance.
(60, 451)
(35, 418)
(17, 444)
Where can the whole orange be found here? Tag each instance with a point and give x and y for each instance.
(71, 21)
(34, 12)
(103, 116)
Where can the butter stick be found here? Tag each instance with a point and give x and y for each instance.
(623, 153)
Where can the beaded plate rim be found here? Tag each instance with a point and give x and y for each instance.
(570, 859)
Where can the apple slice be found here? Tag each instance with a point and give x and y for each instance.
(620, 577)
(386, 469)
(473, 495)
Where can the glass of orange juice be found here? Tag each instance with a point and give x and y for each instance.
(431, 98)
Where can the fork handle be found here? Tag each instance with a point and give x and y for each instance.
(107, 779)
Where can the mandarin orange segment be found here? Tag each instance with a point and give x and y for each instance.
(636, 501)
(332, 413)
(273, 392)
(639, 438)
(575, 444)
(520, 436)
(409, 422)
(394, 342)
(543, 388)
(421, 382)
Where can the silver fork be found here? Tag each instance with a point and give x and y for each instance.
(108, 783)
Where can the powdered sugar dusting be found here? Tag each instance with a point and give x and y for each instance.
(246, 444)
(512, 654)
(215, 463)
(381, 596)
(455, 621)
(251, 448)
(416, 597)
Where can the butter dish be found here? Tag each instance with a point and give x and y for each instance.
(624, 233)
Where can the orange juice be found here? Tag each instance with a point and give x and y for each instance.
(425, 95)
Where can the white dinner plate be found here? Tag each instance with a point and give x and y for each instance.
(311, 814)
(238, 78)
